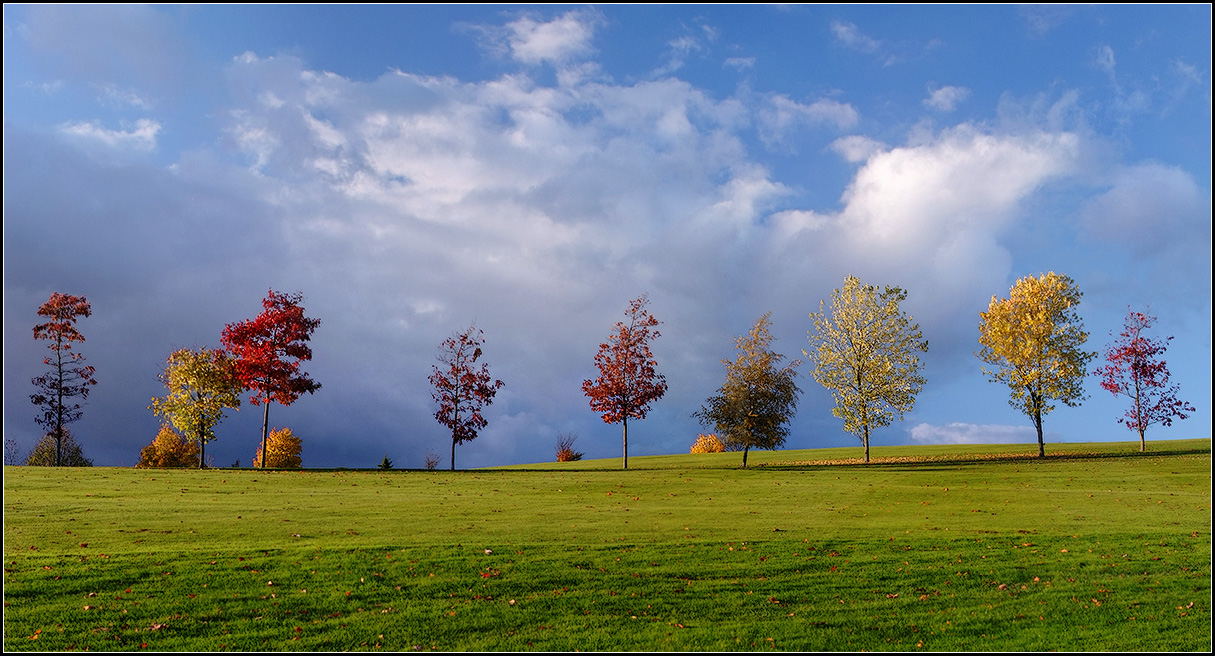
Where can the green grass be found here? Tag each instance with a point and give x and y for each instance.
(1097, 547)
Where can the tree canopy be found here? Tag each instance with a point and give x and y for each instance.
(628, 379)
(202, 384)
(865, 353)
(1135, 369)
(269, 350)
(1033, 340)
(460, 388)
(68, 377)
(752, 408)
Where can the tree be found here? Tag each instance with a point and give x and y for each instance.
(1136, 371)
(58, 451)
(169, 449)
(1033, 338)
(753, 407)
(865, 353)
(269, 350)
(460, 389)
(283, 451)
(202, 384)
(707, 443)
(628, 379)
(69, 377)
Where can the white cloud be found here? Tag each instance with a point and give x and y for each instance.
(556, 42)
(946, 99)
(960, 433)
(781, 115)
(851, 36)
(856, 148)
(739, 63)
(140, 136)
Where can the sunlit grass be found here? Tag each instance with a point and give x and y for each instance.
(939, 548)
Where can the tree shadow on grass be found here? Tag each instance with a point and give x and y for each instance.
(954, 460)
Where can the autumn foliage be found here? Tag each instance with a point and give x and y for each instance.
(565, 448)
(460, 388)
(169, 449)
(708, 443)
(865, 353)
(1034, 339)
(269, 350)
(201, 386)
(283, 451)
(69, 377)
(1135, 370)
(628, 379)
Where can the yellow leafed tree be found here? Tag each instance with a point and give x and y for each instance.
(283, 449)
(1034, 339)
(169, 449)
(202, 385)
(708, 443)
(865, 353)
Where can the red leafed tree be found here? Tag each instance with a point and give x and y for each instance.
(69, 377)
(628, 379)
(1136, 371)
(268, 352)
(460, 389)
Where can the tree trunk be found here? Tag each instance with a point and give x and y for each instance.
(866, 444)
(626, 441)
(1142, 442)
(265, 432)
(59, 408)
(202, 449)
(453, 450)
(745, 449)
(1038, 425)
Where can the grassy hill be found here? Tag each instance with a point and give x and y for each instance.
(1097, 547)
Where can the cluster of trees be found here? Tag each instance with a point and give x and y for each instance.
(865, 350)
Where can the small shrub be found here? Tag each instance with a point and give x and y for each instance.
(432, 460)
(284, 449)
(565, 448)
(43, 454)
(708, 443)
(386, 463)
(169, 449)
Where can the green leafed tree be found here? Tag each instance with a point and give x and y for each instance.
(202, 384)
(752, 408)
(1033, 340)
(865, 353)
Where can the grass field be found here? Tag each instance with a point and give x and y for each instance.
(1097, 547)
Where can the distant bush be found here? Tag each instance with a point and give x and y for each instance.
(386, 463)
(565, 447)
(283, 448)
(432, 460)
(708, 443)
(169, 449)
(43, 454)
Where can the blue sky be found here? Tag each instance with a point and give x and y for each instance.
(412, 169)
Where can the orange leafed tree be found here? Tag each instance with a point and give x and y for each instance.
(628, 379)
(169, 449)
(69, 377)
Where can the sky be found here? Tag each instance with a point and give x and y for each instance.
(412, 170)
